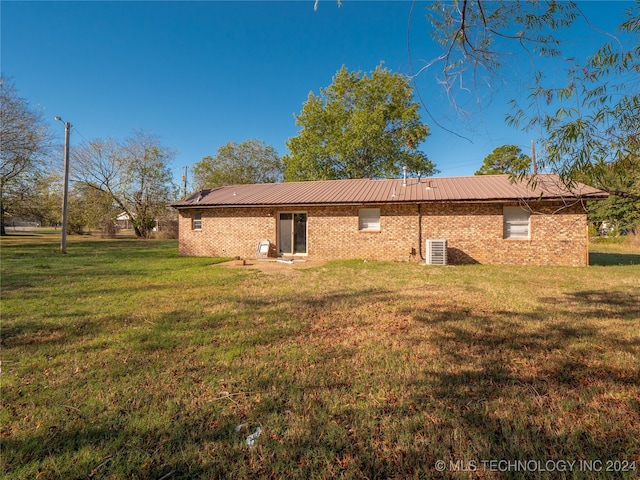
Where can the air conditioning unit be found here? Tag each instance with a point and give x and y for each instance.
(436, 252)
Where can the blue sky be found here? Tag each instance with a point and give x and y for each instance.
(200, 74)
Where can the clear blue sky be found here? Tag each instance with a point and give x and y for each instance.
(200, 74)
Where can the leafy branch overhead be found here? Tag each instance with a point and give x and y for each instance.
(478, 39)
(360, 126)
(587, 121)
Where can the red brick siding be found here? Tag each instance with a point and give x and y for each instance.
(226, 232)
(474, 233)
(333, 233)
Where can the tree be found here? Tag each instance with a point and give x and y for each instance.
(622, 212)
(38, 197)
(361, 126)
(476, 38)
(592, 129)
(588, 120)
(91, 208)
(250, 161)
(24, 142)
(135, 174)
(505, 159)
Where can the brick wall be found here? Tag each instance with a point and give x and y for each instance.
(226, 232)
(474, 233)
(333, 233)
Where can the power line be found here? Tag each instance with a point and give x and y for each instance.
(75, 130)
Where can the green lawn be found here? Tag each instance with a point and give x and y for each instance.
(121, 360)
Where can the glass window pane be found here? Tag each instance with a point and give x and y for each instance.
(286, 228)
(300, 234)
(516, 222)
(196, 221)
(369, 219)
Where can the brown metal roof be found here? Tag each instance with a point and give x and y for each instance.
(480, 188)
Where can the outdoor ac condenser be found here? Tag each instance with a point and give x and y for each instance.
(436, 252)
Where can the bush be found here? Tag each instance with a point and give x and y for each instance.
(109, 228)
(167, 229)
(75, 228)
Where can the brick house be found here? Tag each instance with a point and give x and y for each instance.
(484, 219)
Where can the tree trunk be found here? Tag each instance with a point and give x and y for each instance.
(3, 231)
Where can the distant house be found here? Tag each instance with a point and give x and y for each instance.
(124, 222)
(484, 219)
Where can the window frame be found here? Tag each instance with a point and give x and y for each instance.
(196, 219)
(293, 233)
(365, 223)
(513, 216)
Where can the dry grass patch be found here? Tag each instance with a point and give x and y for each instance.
(161, 366)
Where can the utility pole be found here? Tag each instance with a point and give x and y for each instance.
(184, 179)
(533, 158)
(65, 192)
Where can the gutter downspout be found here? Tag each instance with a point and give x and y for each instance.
(587, 249)
(420, 231)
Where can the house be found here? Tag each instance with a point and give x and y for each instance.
(124, 222)
(484, 219)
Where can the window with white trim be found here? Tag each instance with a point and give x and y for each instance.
(196, 220)
(516, 223)
(369, 219)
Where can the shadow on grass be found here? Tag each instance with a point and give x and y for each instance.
(120, 450)
(611, 259)
(20, 234)
(369, 382)
(39, 333)
(606, 303)
(507, 389)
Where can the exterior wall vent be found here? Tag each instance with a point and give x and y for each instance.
(436, 252)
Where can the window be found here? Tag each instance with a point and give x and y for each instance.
(516, 223)
(196, 221)
(369, 219)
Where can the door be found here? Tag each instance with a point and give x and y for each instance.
(292, 233)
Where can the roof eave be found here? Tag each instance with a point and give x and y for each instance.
(393, 202)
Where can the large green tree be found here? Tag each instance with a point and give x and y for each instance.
(134, 173)
(250, 161)
(24, 143)
(507, 159)
(622, 211)
(360, 126)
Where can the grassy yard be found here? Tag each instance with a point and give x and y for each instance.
(122, 360)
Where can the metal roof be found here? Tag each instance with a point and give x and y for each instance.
(480, 188)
